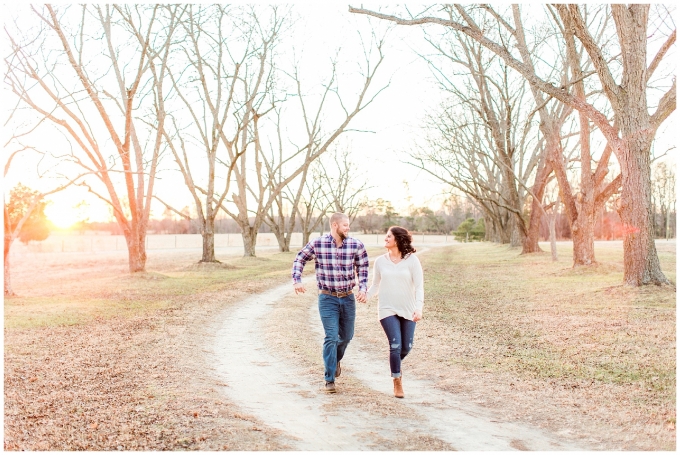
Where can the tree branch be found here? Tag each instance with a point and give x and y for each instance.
(612, 188)
(660, 55)
(665, 108)
(169, 207)
(478, 35)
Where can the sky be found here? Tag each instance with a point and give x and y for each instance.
(394, 121)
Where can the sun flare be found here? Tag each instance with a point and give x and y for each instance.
(61, 217)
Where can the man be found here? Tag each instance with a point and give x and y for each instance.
(338, 259)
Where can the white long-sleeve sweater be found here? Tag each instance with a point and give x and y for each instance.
(399, 286)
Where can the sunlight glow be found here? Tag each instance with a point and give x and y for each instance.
(62, 216)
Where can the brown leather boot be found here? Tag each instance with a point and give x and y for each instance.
(398, 391)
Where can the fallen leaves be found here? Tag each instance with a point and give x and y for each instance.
(128, 382)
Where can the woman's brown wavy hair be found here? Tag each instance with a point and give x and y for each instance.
(403, 239)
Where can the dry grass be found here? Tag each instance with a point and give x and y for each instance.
(567, 349)
(98, 360)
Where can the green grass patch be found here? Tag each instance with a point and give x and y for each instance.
(542, 319)
(128, 295)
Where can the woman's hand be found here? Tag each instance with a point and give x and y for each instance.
(417, 315)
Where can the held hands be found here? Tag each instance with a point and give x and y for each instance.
(299, 288)
(417, 315)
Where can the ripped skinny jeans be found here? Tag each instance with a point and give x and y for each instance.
(399, 333)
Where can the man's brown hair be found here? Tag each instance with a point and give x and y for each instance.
(336, 217)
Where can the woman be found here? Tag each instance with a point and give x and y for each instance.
(398, 281)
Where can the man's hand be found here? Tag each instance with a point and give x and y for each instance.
(299, 288)
(361, 297)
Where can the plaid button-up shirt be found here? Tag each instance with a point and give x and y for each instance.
(335, 266)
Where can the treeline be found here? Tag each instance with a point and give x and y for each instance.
(550, 109)
(460, 219)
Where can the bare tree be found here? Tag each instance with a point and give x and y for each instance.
(629, 134)
(222, 75)
(552, 209)
(279, 163)
(314, 204)
(344, 183)
(499, 109)
(581, 207)
(334, 184)
(457, 153)
(341, 186)
(90, 72)
(664, 193)
(553, 115)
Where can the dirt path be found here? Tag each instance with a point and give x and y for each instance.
(282, 395)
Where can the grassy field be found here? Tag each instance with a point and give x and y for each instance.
(77, 288)
(567, 348)
(96, 359)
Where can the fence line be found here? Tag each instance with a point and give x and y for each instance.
(102, 243)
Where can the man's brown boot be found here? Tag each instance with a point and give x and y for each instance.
(330, 387)
(398, 391)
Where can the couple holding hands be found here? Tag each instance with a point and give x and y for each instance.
(397, 280)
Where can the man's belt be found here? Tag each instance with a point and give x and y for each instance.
(335, 294)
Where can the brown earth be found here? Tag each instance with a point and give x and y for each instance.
(98, 360)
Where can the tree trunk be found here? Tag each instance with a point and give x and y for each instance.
(136, 252)
(8, 283)
(584, 224)
(553, 241)
(282, 233)
(530, 244)
(580, 215)
(640, 260)
(283, 239)
(504, 228)
(249, 235)
(516, 237)
(284, 244)
(515, 223)
(208, 235)
(583, 236)
(496, 229)
(305, 238)
(488, 229)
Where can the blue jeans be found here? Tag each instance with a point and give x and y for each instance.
(399, 333)
(337, 316)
